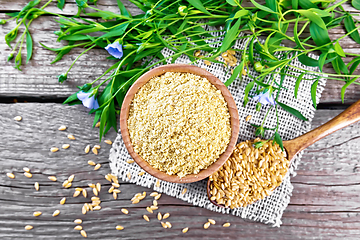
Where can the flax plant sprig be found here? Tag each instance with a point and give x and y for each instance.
(135, 44)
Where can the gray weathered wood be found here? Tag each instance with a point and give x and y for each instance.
(38, 78)
(325, 202)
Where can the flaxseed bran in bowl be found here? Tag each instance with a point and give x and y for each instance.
(179, 123)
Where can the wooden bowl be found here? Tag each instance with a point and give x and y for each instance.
(234, 122)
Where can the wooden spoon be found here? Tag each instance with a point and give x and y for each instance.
(296, 145)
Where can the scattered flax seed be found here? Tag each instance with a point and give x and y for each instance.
(78, 227)
(108, 142)
(116, 185)
(226, 224)
(83, 209)
(52, 178)
(207, 62)
(164, 225)
(68, 185)
(56, 212)
(184, 191)
(91, 206)
(168, 224)
(54, 149)
(26, 169)
(157, 196)
(107, 177)
(149, 210)
(207, 225)
(95, 198)
(166, 215)
(146, 218)
(91, 185)
(116, 191)
(91, 163)
(154, 208)
(10, 175)
(78, 221)
(78, 189)
(71, 178)
(114, 178)
(155, 203)
(65, 146)
(76, 193)
(141, 173)
(83, 233)
(97, 166)
(97, 124)
(159, 216)
(97, 208)
(37, 213)
(197, 53)
(115, 195)
(63, 200)
(36, 185)
(95, 191)
(153, 194)
(124, 211)
(128, 175)
(185, 230)
(157, 183)
(28, 175)
(65, 183)
(135, 201)
(212, 221)
(97, 147)
(18, 118)
(129, 161)
(111, 189)
(62, 128)
(28, 227)
(119, 227)
(98, 187)
(71, 137)
(94, 150)
(248, 118)
(87, 149)
(84, 193)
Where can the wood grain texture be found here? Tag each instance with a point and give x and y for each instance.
(325, 202)
(38, 78)
(184, 68)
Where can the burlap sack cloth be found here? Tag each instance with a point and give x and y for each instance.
(270, 209)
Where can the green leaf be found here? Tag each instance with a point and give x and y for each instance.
(97, 116)
(306, 4)
(313, 92)
(261, 7)
(230, 36)
(123, 9)
(248, 88)
(103, 120)
(308, 61)
(296, 36)
(343, 89)
(71, 98)
(319, 35)
(233, 3)
(61, 4)
(116, 31)
(313, 17)
(29, 46)
(251, 51)
(240, 13)
(339, 50)
(198, 5)
(297, 83)
(10, 36)
(354, 64)
(278, 140)
(349, 26)
(339, 65)
(291, 110)
(356, 4)
(236, 72)
(295, 4)
(322, 59)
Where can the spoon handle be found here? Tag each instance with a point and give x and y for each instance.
(346, 118)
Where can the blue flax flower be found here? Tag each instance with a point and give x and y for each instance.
(265, 98)
(115, 49)
(89, 102)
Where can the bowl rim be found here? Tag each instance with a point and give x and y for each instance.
(234, 122)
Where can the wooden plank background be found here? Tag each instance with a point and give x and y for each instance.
(326, 197)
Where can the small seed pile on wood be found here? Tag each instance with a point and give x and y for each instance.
(250, 174)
